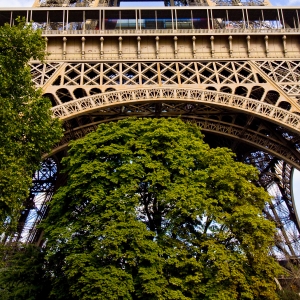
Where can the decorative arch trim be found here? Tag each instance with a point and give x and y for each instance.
(263, 110)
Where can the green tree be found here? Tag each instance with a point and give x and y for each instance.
(288, 295)
(23, 273)
(27, 129)
(151, 212)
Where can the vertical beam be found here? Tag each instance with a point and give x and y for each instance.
(136, 19)
(194, 46)
(83, 12)
(138, 47)
(46, 49)
(208, 19)
(101, 47)
(248, 45)
(267, 45)
(67, 22)
(230, 46)
(103, 26)
(172, 17)
(285, 51)
(175, 47)
(120, 47)
(157, 47)
(64, 47)
(244, 19)
(83, 47)
(100, 21)
(212, 45)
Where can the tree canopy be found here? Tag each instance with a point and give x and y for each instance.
(149, 211)
(23, 273)
(26, 126)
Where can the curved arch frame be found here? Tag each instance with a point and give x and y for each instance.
(263, 110)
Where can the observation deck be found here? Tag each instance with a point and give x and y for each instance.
(196, 32)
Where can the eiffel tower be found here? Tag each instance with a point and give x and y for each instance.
(230, 66)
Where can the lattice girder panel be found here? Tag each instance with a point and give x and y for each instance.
(149, 74)
(73, 75)
(275, 176)
(111, 74)
(187, 73)
(35, 206)
(285, 73)
(239, 78)
(41, 73)
(168, 73)
(130, 74)
(209, 72)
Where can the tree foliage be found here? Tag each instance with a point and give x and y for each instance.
(23, 273)
(288, 295)
(26, 126)
(151, 212)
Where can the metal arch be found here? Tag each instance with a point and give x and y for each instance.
(273, 145)
(93, 103)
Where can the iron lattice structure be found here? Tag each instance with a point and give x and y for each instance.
(111, 3)
(230, 66)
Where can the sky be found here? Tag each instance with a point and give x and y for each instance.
(16, 3)
(296, 183)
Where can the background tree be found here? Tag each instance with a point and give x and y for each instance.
(289, 295)
(150, 212)
(27, 129)
(23, 273)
